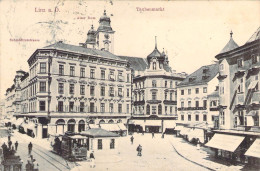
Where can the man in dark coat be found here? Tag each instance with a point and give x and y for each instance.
(16, 145)
(30, 148)
(9, 145)
(132, 139)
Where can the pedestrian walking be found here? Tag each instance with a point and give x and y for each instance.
(30, 148)
(16, 145)
(132, 139)
(9, 138)
(162, 135)
(198, 144)
(9, 144)
(152, 134)
(139, 150)
(92, 158)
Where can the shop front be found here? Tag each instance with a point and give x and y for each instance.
(154, 126)
(253, 153)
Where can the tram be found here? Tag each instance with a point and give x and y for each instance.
(72, 147)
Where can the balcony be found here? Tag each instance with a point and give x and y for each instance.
(142, 102)
(170, 102)
(191, 108)
(243, 128)
(153, 101)
(213, 108)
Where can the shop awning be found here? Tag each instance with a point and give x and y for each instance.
(185, 131)
(225, 142)
(18, 122)
(153, 123)
(122, 126)
(110, 127)
(93, 126)
(178, 128)
(254, 149)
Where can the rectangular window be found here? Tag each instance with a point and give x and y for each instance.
(165, 95)
(111, 107)
(182, 117)
(170, 96)
(182, 92)
(240, 88)
(239, 62)
(119, 108)
(60, 106)
(112, 144)
(189, 103)
(204, 117)
(205, 103)
(42, 105)
(165, 83)
(71, 106)
(99, 144)
(171, 110)
(204, 89)
(128, 78)
(111, 75)
(189, 117)
(182, 104)
(154, 95)
(154, 110)
(197, 90)
(221, 67)
(154, 83)
(120, 92)
(171, 84)
(197, 103)
(61, 88)
(92, 73)
(82, 72)
(189, 91)
(111, 91)
(127, 108)
(92, 107)
(120, 76)
(128, 92)
(71, 88)
(197, 117)
(72, 70)
(102, 93)
(81, 108)
(42, 67)
(103, 74)
(102, 107)
(254, 59)
(61, 69)
(42, 86)
(82, 89)
(92, 90)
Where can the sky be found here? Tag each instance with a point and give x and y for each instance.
(192, 32)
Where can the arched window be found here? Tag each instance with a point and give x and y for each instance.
(101, 121)
(154, 65)
(159, 109)
(110, 121)
(91, 122)
(81, 126)
(71, 125)
(148, 109)
(60, 122)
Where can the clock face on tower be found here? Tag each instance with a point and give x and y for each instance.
(106, 36)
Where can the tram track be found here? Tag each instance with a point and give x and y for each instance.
(53, 161)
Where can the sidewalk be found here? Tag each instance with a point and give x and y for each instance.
(204, 156)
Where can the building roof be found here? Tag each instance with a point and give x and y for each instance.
(99, 132)
(230, 45)
(255, 36)
(82, 50)
(214, 94)
(155, 53)
(137, 63)
(25, 76)
(201, 76)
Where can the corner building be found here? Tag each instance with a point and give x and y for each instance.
(154, 95)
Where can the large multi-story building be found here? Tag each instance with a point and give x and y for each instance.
(154, 94)
(71, 87)
(239, 101)
(193, 96)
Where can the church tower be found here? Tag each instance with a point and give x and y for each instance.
(105, 34)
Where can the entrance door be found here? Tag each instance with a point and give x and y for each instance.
(44, 132)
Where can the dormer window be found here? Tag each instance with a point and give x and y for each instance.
(254, 59)
(205, 70)
(154, 65)
(239, 62)
(221, 67)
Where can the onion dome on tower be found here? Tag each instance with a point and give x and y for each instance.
(91, 38)
(104, 23)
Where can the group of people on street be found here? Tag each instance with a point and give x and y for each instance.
(10, 149)
(139, 147)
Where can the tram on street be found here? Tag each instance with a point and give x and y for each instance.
(71, 146)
